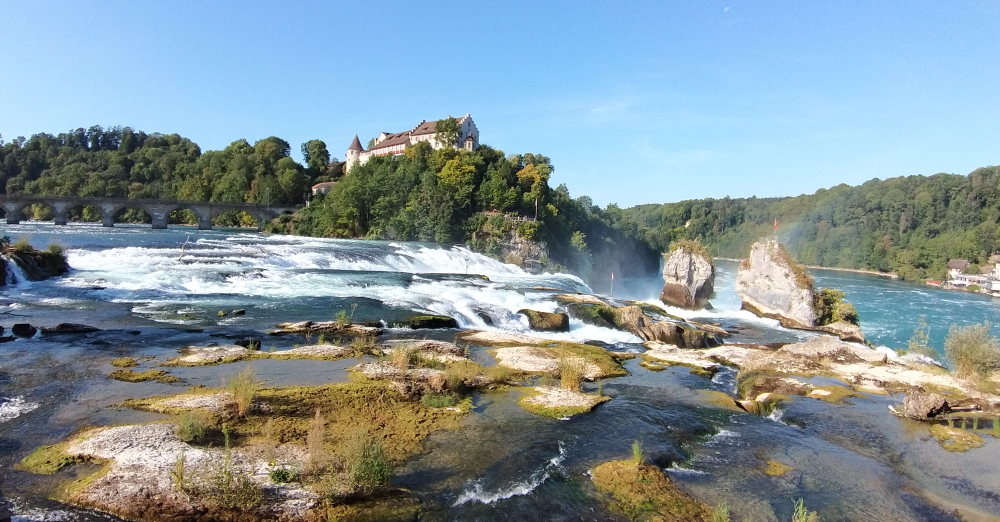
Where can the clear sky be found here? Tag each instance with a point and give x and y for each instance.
(635, 102)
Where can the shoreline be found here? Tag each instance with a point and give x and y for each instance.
(890, 275)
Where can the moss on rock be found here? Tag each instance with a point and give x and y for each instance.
(545, 321)
(128, 375)
(641, 492)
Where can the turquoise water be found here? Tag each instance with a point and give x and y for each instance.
(155, 291)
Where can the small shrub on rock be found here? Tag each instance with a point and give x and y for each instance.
(974, 353)
(243, 386)
(191, 427)
(571, 372)
(367, 462)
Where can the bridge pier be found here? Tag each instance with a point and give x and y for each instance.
(12, 220)
(60, 218)
(204, 223)
(159, 221)
(108, 220)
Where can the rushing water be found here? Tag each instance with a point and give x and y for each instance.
(154, 291)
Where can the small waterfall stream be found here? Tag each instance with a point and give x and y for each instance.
(13, 273)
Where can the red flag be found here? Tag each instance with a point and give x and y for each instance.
(776, 224)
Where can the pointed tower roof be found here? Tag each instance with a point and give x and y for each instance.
(356, 145)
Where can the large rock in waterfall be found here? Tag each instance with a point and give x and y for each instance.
(772, 284)
(689, 277)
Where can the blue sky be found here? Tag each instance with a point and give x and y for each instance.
(635, 102)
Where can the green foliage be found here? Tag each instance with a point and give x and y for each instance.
(973, 352)
(693, 246)
(571, 372)
(127, 163)
(447, 132)
(637, 457)
(243, 386)
(442, 195)
(439, 400)
(283, 475)
(920, 343)
(368, 464)
(802, 514)
(191, 427)
(179, 474)
(720, 513)
(910, 225)
(22, 246)
(831, 308)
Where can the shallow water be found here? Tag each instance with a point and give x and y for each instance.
(156, 291)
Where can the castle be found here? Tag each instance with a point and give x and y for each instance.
(395, 143)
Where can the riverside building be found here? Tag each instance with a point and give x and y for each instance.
(395, 143)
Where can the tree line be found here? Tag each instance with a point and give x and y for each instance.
(910, 225)
(444, 195)
(126, 163)
(449, 195)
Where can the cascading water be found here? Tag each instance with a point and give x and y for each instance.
(13, 273)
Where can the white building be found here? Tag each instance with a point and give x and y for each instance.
(395, 143)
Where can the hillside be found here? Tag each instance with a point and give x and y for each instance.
(911, 225)
(483, 198)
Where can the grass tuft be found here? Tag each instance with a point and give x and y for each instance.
(571, 372)
(637, 457)
(191, 427)
(243, 386)
(802, 514)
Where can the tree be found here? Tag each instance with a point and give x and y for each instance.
(447, 132)
(316, 156)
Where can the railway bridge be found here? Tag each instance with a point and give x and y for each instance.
(158, 209)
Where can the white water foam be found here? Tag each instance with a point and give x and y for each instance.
(476, 493)
(15, 276)
(12, 408)
(427, 279)
(674, 468)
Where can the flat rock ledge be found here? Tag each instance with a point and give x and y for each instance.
(855, 364)
(487, 338)
(673, 355)
(138, 480)
(205, 355)
(536, 359)
(230, 353)
(557, 402)
(311, 327)
(440, 351)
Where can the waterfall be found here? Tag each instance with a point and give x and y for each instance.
(14, 274)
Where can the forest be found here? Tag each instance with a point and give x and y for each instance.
(447, 195)
(126, 163)
(482, 198)
(909, 225)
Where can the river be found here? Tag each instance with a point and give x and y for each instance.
(152, 292)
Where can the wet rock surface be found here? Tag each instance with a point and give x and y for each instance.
(689, 279)
(924, 406)
(546, 321)
(770, 285)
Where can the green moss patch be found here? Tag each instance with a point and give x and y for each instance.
(776, 469)
(955, 439)
(47, 460)
(652, 366)
(646, 493)
(558, 403)
(149, 375)
(125, 362)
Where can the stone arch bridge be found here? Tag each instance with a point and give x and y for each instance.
(158, 209)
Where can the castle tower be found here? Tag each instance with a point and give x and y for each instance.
(353, 154)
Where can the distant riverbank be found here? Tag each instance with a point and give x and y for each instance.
(890, 275)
